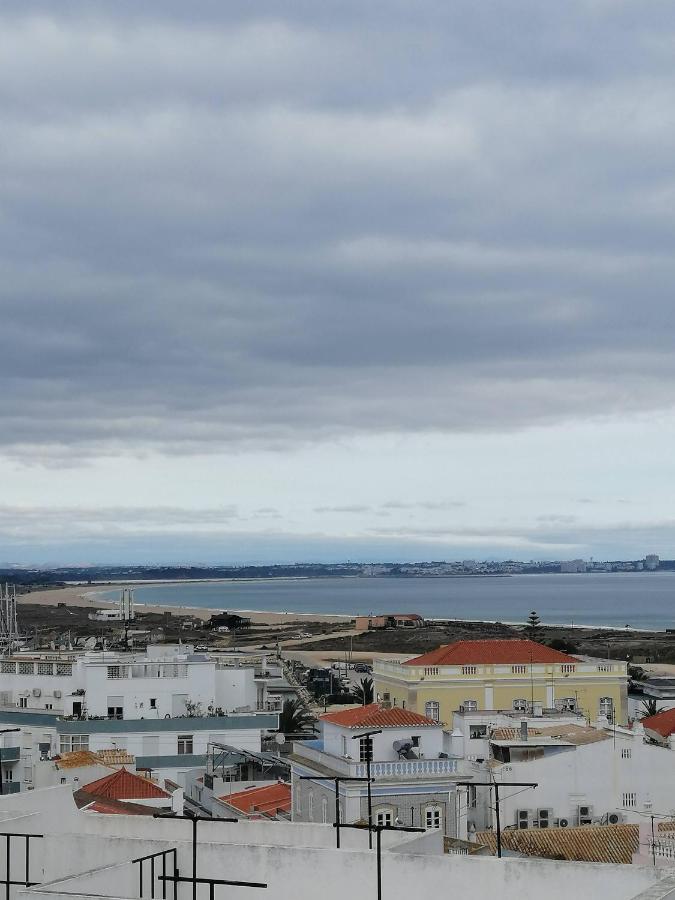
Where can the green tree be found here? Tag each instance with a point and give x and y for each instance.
(364, 691)
(294, 718)
(649, 707)
(533, 625)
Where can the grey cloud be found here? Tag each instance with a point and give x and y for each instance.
(275, 224)
(430, 505)
(349, 508)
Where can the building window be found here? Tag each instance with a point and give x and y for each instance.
(384, 816)
(477, 732)
(117, 712)
(49, 706)
(115, 672)
(298, 800)
(8, 668)
(607, 708)
(365, 749)
(469, 670)
(72, 742)
(324, 810)
(64, 669)
(470, 705)
(153, 703)
(433, 816)
(45, 669)
(626, 753)
(185, 744)
(629, 800)
(23, 702)
(567, 669)
(25, 668)
(520, 705)
(567, 704)
(432, 710)
(518, 670)
(415, 738)
(310, 806)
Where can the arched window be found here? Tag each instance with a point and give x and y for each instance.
(433, 816)
(310, 806)
(384, 816)
(324, 810)
(432, 710)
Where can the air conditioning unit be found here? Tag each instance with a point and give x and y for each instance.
(37, 692)
(563, 823)
(522, 818)
(615, 818)
(544, 817)
(585, 815)
(57, 694)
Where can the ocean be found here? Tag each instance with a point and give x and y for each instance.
(640, 600)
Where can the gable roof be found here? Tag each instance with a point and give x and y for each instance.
(516, 650)
(376, 716)
(268, 799)
(662, 723)
(587, 843)
(90, 803)
(124, 785)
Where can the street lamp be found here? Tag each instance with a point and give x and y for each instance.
(4, 731)
(369, 756)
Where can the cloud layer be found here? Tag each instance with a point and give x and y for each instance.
(239, 225)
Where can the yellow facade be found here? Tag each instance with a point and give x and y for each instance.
(592, 688)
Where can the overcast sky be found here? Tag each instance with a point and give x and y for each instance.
(316, 280)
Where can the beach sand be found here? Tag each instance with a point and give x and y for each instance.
(84, 595)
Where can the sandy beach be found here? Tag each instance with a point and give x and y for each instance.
(86, 596)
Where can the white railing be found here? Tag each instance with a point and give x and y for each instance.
(408, 768)
(400, 768)
(664, 848)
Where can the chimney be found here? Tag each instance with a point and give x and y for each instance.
(523, 730)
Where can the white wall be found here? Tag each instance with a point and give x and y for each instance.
(431, 741)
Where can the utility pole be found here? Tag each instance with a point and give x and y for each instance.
(337, 781)
(369, 756)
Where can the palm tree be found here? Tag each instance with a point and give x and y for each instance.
(364, 692)
(649, 707)
(294, 718)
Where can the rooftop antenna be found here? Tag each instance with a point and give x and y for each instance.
(9, 626)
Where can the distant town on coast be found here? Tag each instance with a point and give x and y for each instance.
(430, 569)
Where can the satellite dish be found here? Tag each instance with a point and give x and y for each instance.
(280, 738)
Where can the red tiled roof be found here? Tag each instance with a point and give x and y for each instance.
(490, 652)
(123, 785)
(270, 799)
(662, 723)
(376, 716)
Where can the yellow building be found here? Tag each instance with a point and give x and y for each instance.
(514, 675)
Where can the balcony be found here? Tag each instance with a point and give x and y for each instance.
(9, 755)
(10, 787)
(312, 752)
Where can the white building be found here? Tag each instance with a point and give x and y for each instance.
(155, 684)
(584, 775)
(162, 707)
(415, 782)
(78, 856)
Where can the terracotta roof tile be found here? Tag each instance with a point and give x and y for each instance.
(78, 759)
(490, 652)
(375, 716)
(123, 785)
(270, 799)
(662, 723)
(588, 843)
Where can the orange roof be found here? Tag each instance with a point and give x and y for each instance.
(662, 723)
(517, 650)
(123, 785)
(270, 799)
(374, 715)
